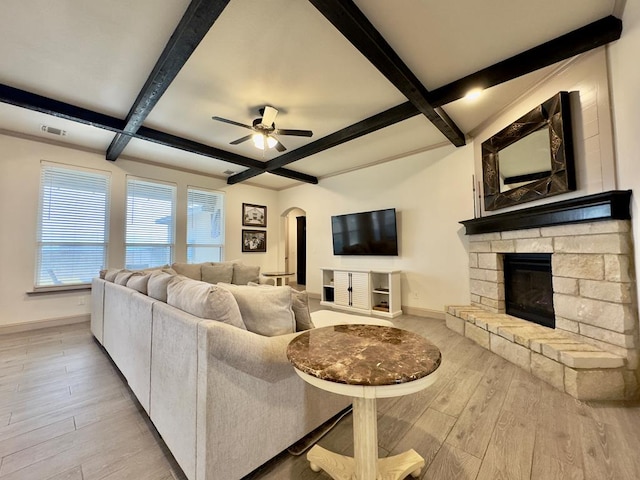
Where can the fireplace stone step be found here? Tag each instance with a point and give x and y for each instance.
(584, 371)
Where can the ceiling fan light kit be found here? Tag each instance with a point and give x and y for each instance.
(264, 130)
(259, 140)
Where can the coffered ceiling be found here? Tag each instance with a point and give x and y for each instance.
(372, 79)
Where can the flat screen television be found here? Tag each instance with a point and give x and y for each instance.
(365, 233)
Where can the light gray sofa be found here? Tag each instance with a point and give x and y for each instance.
(225, 400)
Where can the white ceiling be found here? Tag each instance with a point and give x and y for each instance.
(283, 53)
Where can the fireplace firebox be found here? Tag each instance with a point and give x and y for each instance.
(528, 287)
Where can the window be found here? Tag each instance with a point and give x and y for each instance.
(205, 226)
(150, 223)
(72, 226)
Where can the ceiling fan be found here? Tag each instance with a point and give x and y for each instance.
(265, 131)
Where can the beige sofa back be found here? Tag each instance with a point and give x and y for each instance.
(174, 371)
(127, 336)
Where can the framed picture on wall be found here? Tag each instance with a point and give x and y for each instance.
(254, 215)
(254, 241)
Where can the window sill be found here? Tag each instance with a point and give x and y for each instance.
(59, 289)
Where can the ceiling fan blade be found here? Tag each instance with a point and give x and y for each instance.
(231, 122)
(295, 133)
(269, 116)
(280, 147)
(240, 140)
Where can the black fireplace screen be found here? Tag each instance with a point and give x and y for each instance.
(528, 287)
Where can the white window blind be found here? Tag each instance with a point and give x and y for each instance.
(72, 226)
(150, 223)
(205, 226)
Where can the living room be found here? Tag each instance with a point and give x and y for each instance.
(431, 189)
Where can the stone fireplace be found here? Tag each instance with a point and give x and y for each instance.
(592, 353)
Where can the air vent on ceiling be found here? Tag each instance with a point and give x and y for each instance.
(53, 131)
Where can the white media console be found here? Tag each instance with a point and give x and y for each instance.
(371, 292)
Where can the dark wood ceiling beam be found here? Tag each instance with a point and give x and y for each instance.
(356, 28)
(194, 25)
(39, 103)
(31, 101)
(363, 127)
(593, 35)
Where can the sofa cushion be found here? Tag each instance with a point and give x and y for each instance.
(122, 277)
(205, 301)
(265, 311)
(157, 285)
(243, 274)
(139, 281)
(299, 305)
(217, 273)
(110, 274)
(191, 270)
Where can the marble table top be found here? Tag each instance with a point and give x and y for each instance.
(369, 355)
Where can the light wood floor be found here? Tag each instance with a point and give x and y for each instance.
(65, 413)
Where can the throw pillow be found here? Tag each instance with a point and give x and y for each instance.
(217, 273)
(157, 285)
(205, 301)
(122, 277)
(139, 282)
(191, 270)
(265, 311)
(110, 274)
(243, 274)
(299, 305)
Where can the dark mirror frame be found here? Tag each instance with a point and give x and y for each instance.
(555, 115)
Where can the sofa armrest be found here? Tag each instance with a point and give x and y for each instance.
(256, 355)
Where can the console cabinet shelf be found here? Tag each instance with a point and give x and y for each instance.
(370, 292)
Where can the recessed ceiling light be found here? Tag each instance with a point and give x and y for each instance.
(473, 94)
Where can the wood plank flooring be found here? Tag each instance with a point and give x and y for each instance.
(67, 414)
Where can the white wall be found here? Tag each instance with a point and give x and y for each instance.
(431, 192)
(19, 185)
(625, 84)
(593, 145)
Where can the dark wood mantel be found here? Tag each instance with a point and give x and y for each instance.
(613, 205)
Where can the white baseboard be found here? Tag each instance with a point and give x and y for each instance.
(38, 324)
(423, 312)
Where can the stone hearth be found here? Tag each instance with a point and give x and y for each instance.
(593, 351)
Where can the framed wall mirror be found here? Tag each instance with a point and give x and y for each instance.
(532, 158)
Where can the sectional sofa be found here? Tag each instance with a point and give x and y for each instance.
(224, 398)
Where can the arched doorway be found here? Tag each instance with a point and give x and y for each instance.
(295, 244)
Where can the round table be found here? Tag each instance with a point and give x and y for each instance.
(280, 277)
(365, 362)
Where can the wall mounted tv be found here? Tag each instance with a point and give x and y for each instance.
(365, 233)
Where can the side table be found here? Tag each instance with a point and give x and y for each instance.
(365, 362)
(280, 277)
